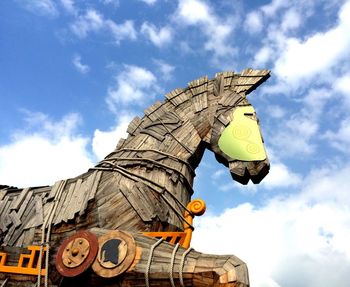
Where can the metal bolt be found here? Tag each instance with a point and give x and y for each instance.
(75, 251)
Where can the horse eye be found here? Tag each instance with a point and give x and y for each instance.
(251, 116)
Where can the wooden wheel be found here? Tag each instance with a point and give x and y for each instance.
(116, 253)
(76, 253)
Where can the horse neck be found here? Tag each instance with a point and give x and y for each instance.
(168, 142)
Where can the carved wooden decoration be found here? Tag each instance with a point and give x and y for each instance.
(126, 221)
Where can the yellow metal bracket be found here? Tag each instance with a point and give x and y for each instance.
(27, 263)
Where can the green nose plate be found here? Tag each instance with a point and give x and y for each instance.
(241, 139)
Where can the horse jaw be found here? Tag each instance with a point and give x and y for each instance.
(243, 171)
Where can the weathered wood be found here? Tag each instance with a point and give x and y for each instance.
(2, 193)
(16, 203)
(54, 189)
(25, 204)
(134, 125)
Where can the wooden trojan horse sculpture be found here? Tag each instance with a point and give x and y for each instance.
(128, 221)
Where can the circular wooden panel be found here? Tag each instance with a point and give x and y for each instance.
(116, 253)
(76, 253)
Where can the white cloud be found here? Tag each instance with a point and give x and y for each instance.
(40, 7)
(82, 68)
(331, 46)
(44, 152)
(216, 29)
(159, 37)
(272, 8)
(262, 56)
(297, 135)
(122, 31)
(342, 85)
(291, 20)
(340, 139)
(165, 69)
(253, 22)
(280, 176)
(105, 142)
(300, 240)
(68, 5)
(275, 111)
(133, 85)
(94, 21)
(194, 12)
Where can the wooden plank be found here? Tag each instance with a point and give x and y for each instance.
(5, 215)
(139, 202)
(54, 189)
(88, 183)
(67, 206)
(200, 102)
(8, 235)
(134, 125)
(14, 218)
(2, 193)
(152, 108)
(25, 204)
(20, 198)
(28, 237)
(174, 93)
(39, 214)
(30, 215)
(156, 134)
(95, 185)
(57, 218)
(20, 240)
(75, 203)
(3, 204)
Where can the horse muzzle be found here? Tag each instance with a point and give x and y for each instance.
(243, 171)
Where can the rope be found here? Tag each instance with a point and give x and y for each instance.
(3, 284)
(149, 160)
(171, 271)
(156, 151)
(182, 262)
(175, 138)
(148, 267)
(48, 222)
(130, 175)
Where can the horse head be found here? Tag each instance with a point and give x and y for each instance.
(233, 131)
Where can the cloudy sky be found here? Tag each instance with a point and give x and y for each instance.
(73, 73)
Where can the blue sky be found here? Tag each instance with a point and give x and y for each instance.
(74, 73)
